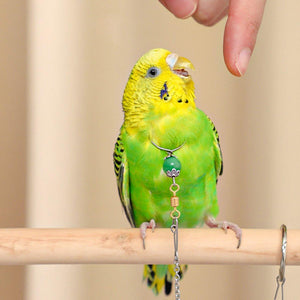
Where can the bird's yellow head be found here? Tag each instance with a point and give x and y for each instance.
(159, 83)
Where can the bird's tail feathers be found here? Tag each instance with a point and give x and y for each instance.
(161, 276)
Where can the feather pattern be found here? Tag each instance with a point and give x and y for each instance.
(121, 171)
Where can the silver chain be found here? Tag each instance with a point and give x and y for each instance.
(279, 283)
(174, 229)
(175, 214)
(280, 279)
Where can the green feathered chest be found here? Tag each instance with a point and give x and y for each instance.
(149, 185)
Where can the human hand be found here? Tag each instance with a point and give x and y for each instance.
(244, 18)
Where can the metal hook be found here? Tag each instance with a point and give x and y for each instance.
(283, 252)
(169, 151)
(280, 279)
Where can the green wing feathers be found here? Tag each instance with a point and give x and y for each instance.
(122, 173)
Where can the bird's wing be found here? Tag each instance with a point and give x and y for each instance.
(123, 181)
(218, 151)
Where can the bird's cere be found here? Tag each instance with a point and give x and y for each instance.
(179, 65)
(172, 59)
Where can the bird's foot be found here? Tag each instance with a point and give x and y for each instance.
(212, 223)
(143, 229)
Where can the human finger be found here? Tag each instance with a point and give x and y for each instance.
(244, 19)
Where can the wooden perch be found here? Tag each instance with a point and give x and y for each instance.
(22, 246)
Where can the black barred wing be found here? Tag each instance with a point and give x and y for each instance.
(218, 151)
(122, 174)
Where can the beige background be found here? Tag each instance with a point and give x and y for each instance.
(64, 65)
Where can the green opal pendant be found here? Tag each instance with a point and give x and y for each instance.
(172, 166)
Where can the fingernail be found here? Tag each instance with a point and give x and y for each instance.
(192, 6)
(243, 61)
(182, 9)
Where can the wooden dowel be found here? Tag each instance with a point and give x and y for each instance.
(22, 246)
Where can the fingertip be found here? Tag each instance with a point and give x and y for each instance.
(238, 47)
(240, 34)
(238, 63)
(242, 61)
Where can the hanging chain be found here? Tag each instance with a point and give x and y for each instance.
(279, 284)
(174, 188)
(174, 229)
(280, 279)
(175, 214)
(172, 168)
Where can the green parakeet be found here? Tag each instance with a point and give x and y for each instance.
(159, 108)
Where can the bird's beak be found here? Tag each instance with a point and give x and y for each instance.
(179, 65)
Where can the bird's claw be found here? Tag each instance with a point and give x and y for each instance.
(239, 242)
(143, 229)
(211, 222)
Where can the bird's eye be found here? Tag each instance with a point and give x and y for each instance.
(153, 72)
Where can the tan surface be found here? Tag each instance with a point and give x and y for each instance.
(13, 107)
(19, 246)
(79, 57)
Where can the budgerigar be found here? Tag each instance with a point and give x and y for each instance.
(159, 108)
